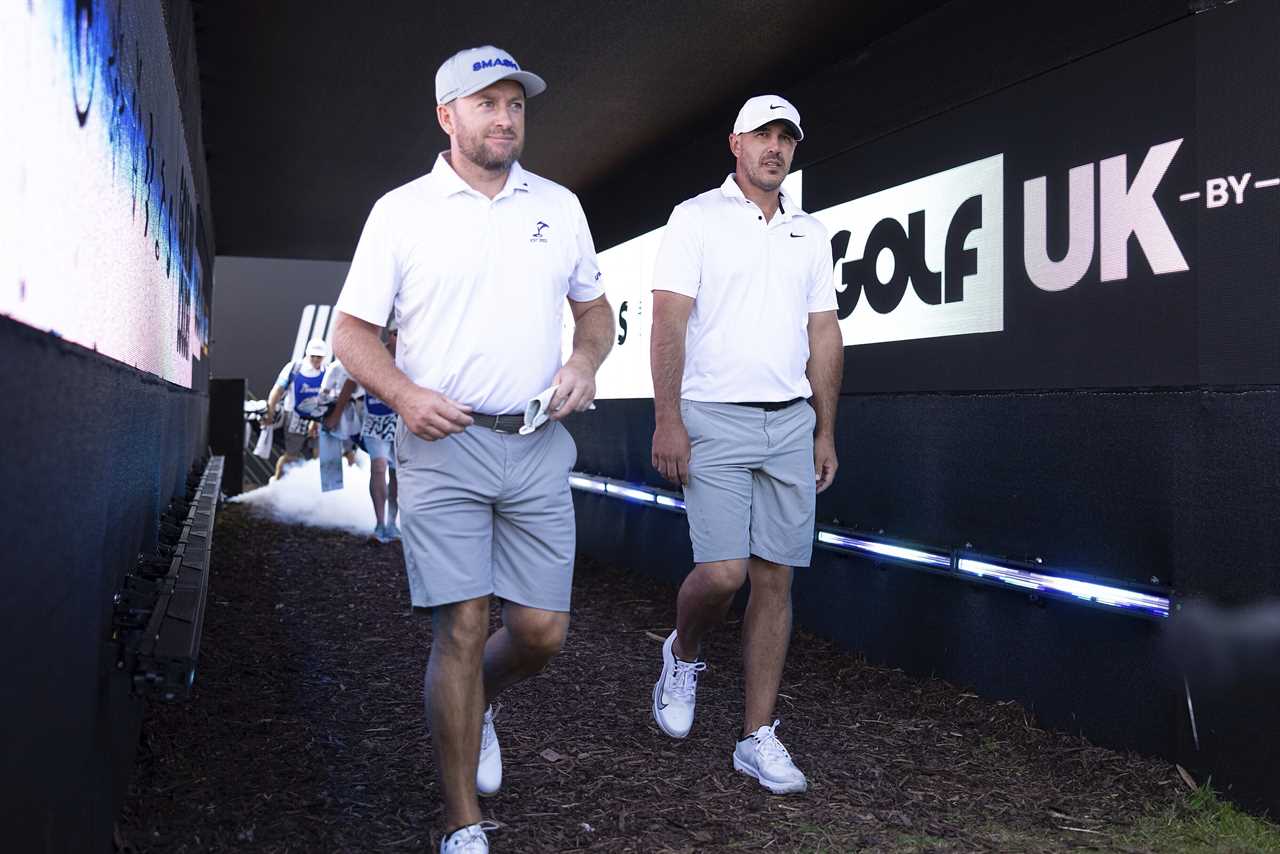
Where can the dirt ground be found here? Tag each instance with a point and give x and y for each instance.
(306, 733)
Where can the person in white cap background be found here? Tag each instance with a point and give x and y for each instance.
(747, 360)
(298, 383)
(478, 258)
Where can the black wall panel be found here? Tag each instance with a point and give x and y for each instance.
(960, 52)
(1177, 485)
(1121, 428)
(94, 453)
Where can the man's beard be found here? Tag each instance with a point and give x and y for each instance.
(472, 146)
(764, 181)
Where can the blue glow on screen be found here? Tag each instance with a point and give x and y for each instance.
(98, 213)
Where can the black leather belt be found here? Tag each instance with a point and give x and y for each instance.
(768, 406)
(500, 423)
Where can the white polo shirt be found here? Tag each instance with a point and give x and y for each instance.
(478, 285)
(335, 377)
(753, 284)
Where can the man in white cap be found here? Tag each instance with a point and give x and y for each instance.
(299, 384)
(477, 259)
(747, 360)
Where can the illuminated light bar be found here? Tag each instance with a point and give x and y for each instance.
(1087, 591)
(640, 493)
(958, 564)
(590, 484)
(630, 492)
(889, 550)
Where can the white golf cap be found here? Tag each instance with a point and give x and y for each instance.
(762, 109)
(468, 71)
(317, 347)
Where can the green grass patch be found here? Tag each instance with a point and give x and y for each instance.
(1201, 823)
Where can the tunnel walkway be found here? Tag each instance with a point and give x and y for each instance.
(306, 733)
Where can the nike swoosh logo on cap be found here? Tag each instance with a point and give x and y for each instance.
(793, 234)
(777, 106)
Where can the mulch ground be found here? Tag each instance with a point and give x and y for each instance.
(306, 733)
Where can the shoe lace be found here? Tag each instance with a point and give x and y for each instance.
(465, 839)
(684, 678)
(487, 733)
(768, 746)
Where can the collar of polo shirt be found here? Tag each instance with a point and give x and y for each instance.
(449, 182)
(731, 190)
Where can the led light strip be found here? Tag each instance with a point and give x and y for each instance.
(1086, 591)
(881, 549)
(634, 492)
(956, 564)
(588, 484)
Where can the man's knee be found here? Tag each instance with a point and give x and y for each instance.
(461, 628)
(538, 635)
(770, 577)
(722, 577)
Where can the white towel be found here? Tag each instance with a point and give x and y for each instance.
(537, 411)
(265, 435)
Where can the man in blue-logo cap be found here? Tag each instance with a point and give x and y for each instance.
(484, 510)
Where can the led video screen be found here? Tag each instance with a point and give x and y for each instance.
(98, 218)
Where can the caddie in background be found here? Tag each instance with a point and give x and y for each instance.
(484, 510)
(299, 385)
(747, 359)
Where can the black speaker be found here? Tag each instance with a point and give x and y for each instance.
(226, 430)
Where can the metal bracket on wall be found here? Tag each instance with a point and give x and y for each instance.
(159, 610)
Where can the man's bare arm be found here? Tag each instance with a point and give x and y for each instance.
(592, 341)
(273, 400)
(825, 371)
(340, 404)
(666, 362)
(592, 331)
(426, 413)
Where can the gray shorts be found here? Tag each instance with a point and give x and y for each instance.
(380, 449)
(294, 443)
(751, 484)
(488, 513)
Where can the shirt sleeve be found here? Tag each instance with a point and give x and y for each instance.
(678, 267)
(334, 376)
(822, 288)
(585, 284)
(373, 280)
(283, 380)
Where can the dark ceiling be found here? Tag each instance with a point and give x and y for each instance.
(312, 110)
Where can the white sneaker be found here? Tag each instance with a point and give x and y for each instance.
(762, 756)
(391, 530)
(468, 840)
(379, 534)
(675, 692)
(489, 771)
